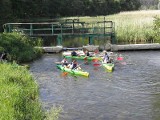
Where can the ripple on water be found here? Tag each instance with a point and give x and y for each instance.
(131, 92)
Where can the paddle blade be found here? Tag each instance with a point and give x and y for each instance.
(64, 74)
(119, 58)
(85, 59)
(95, 60)
(96, 64)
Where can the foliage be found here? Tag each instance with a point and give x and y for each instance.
(53, 113)
(149, 4)
(16, 10)
(130, 27)
(156, 28)
(19, 94)
(19, 48)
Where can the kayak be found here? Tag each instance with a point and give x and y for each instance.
(108, 66)
(83, 57)
(74, 72)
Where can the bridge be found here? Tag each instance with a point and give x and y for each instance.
(68, 27)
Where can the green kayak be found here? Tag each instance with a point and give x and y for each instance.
(83, 57)
(108, 66)
(74, 72)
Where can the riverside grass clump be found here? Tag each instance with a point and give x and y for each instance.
(19, 99)
(20, 48)
(19, 94)
(19, 91)
(130, 27)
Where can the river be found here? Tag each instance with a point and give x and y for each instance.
(130, 92)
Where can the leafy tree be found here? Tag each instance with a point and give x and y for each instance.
(128, 5)
(15, 10)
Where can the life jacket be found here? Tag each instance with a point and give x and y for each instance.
(74, 53)
(106, 58)
(74, 65)
(64, 62)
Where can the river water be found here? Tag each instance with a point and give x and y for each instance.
(131, 92)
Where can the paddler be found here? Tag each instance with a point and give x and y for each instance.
(105, 57)
(87, 53)
(73, 53)
(74, 65)
(64, 62)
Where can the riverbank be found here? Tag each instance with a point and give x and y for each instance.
(19, 91)
(19, 94)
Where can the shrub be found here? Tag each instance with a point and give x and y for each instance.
(19, 47)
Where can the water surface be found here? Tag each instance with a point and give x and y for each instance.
(131, 92)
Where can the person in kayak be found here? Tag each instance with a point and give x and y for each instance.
(111, 57)
(87, 53)
(73, 53)
(74, 65)
(64, 62)
(105, 57)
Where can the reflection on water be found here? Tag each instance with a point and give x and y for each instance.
(131, 92)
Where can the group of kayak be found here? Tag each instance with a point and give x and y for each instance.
(106, 60)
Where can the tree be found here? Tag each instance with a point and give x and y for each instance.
(128, 5)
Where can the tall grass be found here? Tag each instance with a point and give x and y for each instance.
(130, 27)
(19, 94)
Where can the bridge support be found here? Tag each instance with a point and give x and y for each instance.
(59, 40)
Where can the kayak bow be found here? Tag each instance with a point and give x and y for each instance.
(109, 66)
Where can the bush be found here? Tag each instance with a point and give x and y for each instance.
(157, 29)
(19, 47)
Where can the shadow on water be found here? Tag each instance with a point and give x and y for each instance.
(131, 92)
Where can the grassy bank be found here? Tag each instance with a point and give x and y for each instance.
(19, 99)
(130, 27)
(19, 94)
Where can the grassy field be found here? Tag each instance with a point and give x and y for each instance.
(130, 27)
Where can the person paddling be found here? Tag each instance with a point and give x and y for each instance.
(74, 65)
(64, 62)
(73, 53)
(105, 57)
(87, 53)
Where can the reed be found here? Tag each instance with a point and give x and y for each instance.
(130, 27)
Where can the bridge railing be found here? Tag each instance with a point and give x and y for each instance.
(102, 28)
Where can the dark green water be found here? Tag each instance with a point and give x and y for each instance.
(131, 92)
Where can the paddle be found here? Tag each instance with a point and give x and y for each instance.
(119, 58)
(95, 60)
(96, 64)
(78, 66)
(58, 63)
(85, 59)
(64, 74)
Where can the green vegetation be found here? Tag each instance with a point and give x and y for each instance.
(19, 94)
(37, 10)
(19, 98)
(156, 29)
(130, 27)
(19, 48)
